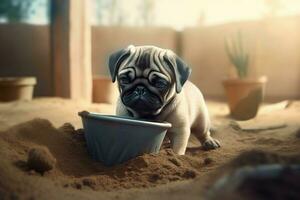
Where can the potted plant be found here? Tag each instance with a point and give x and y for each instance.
(104, 90)
(16, 88)
(244, 94)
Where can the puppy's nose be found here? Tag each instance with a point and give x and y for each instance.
(140, 90)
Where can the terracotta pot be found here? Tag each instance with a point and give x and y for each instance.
(244, 96)
(104, 91)
(16, 88)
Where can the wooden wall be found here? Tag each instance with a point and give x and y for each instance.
(25, 51)
(275, 45)
(106, 40)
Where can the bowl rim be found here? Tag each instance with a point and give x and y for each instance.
(126, 120)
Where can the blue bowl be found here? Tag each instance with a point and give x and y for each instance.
(114, 139)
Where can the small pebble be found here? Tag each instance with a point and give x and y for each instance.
(40, 159)
(78, 186)
(89, 182)
(155, 177)
(189, 174)
(208, 161)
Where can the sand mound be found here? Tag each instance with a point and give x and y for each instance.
(74, 167)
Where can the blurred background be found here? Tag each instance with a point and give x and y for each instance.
(42, 37)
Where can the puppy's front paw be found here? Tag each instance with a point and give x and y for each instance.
(210, 144)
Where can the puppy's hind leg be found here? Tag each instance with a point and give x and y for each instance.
(202, 132)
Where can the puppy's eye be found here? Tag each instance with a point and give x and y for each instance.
(160, 83)
(124, 80)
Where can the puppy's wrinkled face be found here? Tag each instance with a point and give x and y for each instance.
(146, 77)
(144, 87)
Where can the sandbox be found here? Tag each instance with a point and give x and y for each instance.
(76, 175)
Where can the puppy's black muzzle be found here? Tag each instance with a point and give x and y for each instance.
(140, 90)
(141, 100)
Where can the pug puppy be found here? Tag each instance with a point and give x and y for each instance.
(153, 85)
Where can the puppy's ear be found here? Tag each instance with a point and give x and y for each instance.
(179, 68)
(116, 59)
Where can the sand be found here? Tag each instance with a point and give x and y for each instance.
(40, 124)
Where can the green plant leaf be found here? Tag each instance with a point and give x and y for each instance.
(237, 54)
